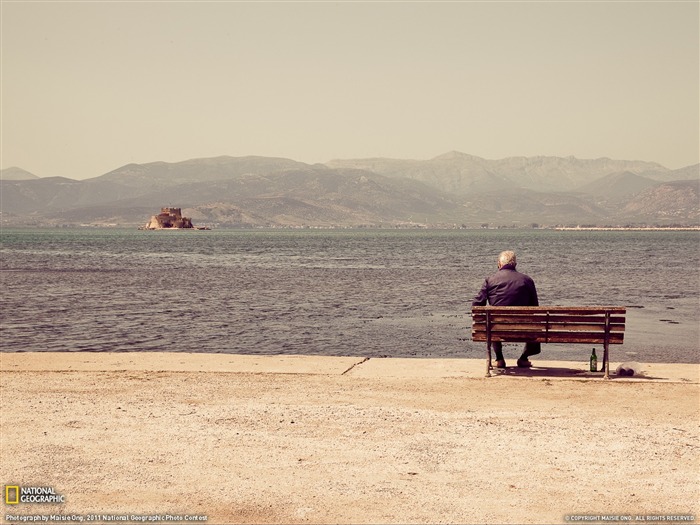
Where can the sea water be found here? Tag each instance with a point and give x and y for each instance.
(372, 293)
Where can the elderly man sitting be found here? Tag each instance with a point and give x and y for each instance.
(508, 287)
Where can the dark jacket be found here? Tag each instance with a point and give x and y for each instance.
(507, 287)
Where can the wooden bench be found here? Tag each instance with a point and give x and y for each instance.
(601, 325)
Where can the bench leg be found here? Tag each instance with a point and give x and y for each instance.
(606, 362)
(488, 359)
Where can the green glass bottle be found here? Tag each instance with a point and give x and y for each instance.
(594, 362)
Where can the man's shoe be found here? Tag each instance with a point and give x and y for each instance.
(524, 363)
(500, 363)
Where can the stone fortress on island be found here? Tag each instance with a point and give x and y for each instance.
(169, 218)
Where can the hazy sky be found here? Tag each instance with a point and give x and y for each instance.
(90, 86)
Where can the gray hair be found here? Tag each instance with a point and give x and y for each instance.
(507, 257)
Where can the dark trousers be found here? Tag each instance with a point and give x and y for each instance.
(530, 349)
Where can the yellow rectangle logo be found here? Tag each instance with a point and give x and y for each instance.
(8, 499)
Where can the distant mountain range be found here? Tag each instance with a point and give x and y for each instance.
(16, 174)
(454, 189)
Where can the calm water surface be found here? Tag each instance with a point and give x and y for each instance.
(361, 293)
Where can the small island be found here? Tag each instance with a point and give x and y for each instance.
(170, 218)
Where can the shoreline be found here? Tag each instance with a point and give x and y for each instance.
(396, 367)
(305, 439)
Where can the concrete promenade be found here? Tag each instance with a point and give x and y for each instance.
(173, 437)
(321, 365)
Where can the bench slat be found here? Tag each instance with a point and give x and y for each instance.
(542, 317)
(553, 327)
(551, 337)
(497, 319)
(582, 310)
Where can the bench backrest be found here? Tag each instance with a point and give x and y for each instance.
(549, 324)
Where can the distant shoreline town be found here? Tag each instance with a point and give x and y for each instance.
(635, 228)
(424, 227)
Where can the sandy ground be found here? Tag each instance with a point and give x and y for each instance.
(243, 439)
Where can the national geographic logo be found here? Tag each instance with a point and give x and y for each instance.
(14, 495)
(11, 494)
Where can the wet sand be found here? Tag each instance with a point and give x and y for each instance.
(294, 439)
